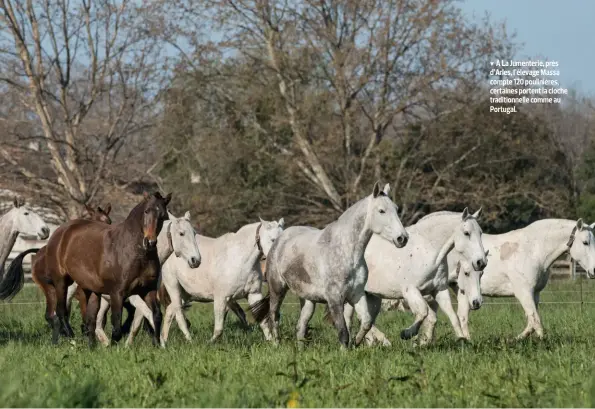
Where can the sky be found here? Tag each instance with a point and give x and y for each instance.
(562, 30)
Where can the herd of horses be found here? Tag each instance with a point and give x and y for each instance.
(356, 263)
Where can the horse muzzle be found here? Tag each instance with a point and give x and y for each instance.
(591, 274)
(44, 234)
(149, 244)
(475, 305)
(194, 262)
(401, 241)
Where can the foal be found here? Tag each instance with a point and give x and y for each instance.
(119, 260)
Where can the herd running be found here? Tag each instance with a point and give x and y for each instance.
(354, 264)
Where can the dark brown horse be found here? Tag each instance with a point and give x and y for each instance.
(119, 260)
(39, 272)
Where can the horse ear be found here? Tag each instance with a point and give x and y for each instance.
(167, 198)
(90, 210)
(282, 222)
(261, 221)
(477, 213)
(146, 194)
(465, 213)
(16, 203)
(580, 224)
(108, 208)
(386, 189)
(376, 190)
(592, 226)
(187, 215)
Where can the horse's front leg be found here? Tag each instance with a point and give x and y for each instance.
(463, 313)
(116, 304)
(152, 302)
(445, 304)
(366, 320)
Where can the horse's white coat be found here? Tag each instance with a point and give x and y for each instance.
(230, 270)
(519, 264)
(19, 220)
(420, 269)
(328, 265)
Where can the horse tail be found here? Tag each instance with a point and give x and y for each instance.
(238, 311)
(14, 279)
(260, 309)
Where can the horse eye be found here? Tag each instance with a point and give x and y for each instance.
(467, 233)
(146, 211)
(586, 243)
(382, 211)
(182, 233)
(467, 273)
(26, 213)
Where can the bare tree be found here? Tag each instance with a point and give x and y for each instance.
(87, 74)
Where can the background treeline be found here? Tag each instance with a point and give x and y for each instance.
(279, 108)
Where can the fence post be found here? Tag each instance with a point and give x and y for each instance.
(573, 268)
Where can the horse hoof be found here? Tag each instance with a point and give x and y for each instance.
(386, 343)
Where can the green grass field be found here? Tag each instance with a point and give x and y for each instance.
(242, 370)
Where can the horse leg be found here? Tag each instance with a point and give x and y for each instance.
(142, 308)
(277, 291)
(463, 313)
(418, 307)
(82, 300)
(151, 301)
(308, 307)
(100, 322)
(375, 335)
(130, 314)
(116, 304)
(93, 300)
(264, 325)
(363, 313)
(336, 310)
(445, 304)
(219, 307)
(526, 297)
(429, 324)
(61, 289)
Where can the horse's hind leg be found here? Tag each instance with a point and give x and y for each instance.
(100, 322)
(93, 301)
(141, 311)
(308, 308)
(336, 310)
(62, 320)
(375, 335)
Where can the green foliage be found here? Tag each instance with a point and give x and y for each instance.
(243, 371)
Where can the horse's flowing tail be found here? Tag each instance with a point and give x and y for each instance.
(14, 278)
(260, 309)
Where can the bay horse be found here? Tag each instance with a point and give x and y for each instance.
(118, 260)
(39, 272)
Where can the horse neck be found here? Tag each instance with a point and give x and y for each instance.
(353, 229)
(8, 236)
(164, 249)
(553, 240)
(438, 229)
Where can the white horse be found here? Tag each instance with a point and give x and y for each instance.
(421, 269)
(519, 264)
(328, 265)
(176, 238)
(230, 271)
(20, 219)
